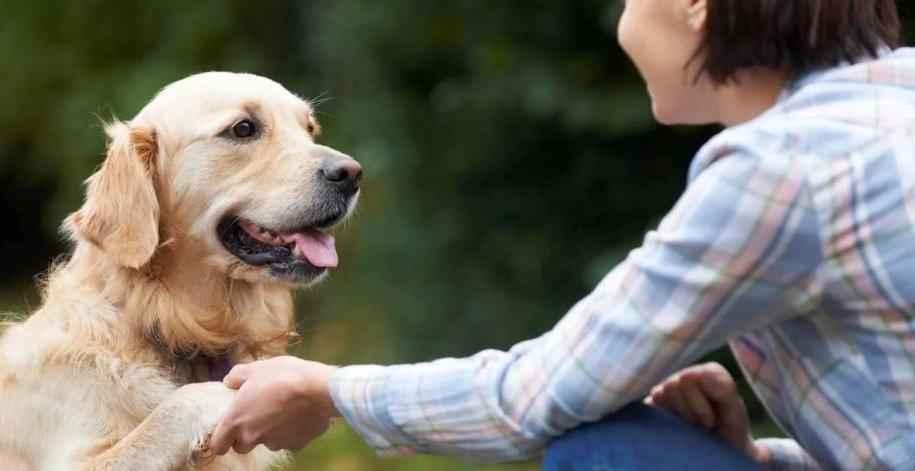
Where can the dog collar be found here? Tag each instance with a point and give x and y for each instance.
(219, 367)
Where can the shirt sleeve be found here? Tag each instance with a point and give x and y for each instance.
(787, 455)
(738, 251)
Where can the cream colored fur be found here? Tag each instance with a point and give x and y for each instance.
(102, 375)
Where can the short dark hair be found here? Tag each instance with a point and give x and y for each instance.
(794, 36)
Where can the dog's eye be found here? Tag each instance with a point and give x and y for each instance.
(313, 128)
(243, 129)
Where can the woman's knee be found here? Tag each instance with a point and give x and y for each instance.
(565, 452)
(562, 452)
(641, 437)
(602, 443)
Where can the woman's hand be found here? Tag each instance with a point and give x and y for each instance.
(707, 396)
(283, 402)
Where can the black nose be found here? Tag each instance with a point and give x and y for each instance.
(342, 172)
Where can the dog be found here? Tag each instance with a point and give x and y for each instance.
(210, 205)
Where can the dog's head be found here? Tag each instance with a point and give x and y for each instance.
(225, 166)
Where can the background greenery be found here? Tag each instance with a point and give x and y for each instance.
(510, 156)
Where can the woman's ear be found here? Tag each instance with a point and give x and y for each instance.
(121, 212)
(696, 14)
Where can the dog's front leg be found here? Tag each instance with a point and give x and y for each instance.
(169, 436)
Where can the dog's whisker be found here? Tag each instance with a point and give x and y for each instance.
(320, 99)
(325, 113)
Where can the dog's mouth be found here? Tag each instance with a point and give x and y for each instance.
(298, 255)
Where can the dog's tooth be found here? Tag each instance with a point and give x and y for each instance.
(296, 251)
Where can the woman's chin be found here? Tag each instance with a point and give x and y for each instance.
(672, 116)
(665, 116)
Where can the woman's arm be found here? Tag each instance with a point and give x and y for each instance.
(787, 455)
(738, 251)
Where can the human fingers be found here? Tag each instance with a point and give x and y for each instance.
(669, 395)
(697, 402)
(237, 376)
(222, 439)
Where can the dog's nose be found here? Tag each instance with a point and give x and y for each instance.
(342, 172)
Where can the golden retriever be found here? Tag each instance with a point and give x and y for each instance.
(210, 204)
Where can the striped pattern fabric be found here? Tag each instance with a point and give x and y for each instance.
(794, 241)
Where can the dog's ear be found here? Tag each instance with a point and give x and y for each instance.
(121, 212)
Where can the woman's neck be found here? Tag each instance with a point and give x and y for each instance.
(752, 93)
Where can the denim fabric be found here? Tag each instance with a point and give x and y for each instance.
(641, 437)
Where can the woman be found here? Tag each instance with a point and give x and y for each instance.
(794, 241)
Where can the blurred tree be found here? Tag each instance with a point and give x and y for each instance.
(511, 159)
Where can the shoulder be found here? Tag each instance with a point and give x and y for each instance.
(824, 116)
(759, 146)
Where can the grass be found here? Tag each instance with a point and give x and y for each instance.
(341, 449)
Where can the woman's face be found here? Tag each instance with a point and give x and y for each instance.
(661, 36)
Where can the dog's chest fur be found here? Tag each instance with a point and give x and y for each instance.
(74, 402)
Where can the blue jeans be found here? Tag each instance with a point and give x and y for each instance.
(640, 437)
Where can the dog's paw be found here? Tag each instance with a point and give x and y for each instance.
(202, 443)
(206, 400)
(202, 406)
(200, 450)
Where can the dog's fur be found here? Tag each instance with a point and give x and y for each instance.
(104, 375)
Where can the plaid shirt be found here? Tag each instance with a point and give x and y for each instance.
(794, 240)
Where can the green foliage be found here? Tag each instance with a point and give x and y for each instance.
(341, 450)
(500, 142)
(509, 151)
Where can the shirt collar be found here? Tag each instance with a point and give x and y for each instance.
(814, 75)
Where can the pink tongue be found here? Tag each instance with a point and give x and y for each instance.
(315, 246)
